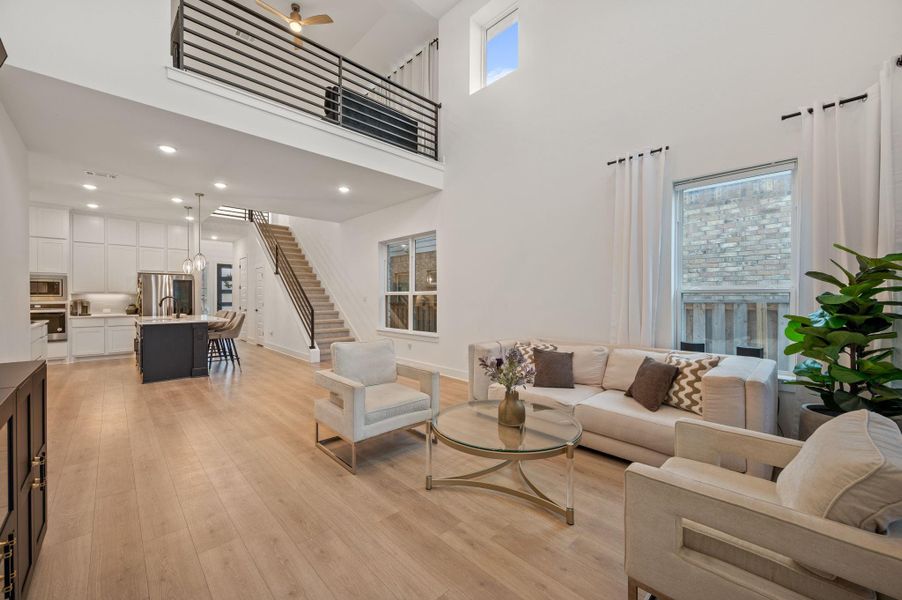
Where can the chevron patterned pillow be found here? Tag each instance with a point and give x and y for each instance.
(686, 391)
(526, 349)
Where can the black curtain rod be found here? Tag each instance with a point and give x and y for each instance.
(826, 106)
(861, 97)
(410, 60)
(620, 160)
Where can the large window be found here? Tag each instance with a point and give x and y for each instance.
(410, 302)
(735, 261)
(501, 47)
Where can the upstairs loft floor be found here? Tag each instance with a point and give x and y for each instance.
(212, 488)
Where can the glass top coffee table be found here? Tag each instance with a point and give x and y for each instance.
(473, 428)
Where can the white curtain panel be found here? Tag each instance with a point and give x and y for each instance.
(846, 184)
(420, 75)
(639, 203)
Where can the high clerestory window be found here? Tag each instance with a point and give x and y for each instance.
(501, 47)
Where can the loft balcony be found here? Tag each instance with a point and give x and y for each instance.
(229, 43)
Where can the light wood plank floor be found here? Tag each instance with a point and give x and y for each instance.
(212, 488)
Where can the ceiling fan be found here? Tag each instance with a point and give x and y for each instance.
(294, 20)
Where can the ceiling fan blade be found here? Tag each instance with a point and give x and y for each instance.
(317, 20)
(266, 6)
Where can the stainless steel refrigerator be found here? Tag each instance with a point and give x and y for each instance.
(154, 287)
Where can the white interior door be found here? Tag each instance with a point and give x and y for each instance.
(258, 303)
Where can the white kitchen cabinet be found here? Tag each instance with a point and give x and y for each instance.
(120, 338)
(178, 236)
(151, 259)
(88, 228)
(58, 350)
(121, 269)
(174, 260)
(39, 342)
(88, 268)
(48, 222)
(48, 255)
(152, 235)
(88, 341)
(121, 232)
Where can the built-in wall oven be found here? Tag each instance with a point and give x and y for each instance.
(48, 288)
(55, 315)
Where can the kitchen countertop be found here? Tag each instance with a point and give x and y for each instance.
(101, 316)
(180, 321)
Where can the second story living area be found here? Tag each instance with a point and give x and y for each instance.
(354, 83)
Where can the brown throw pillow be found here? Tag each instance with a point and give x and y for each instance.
(652, 383)
(553, 369)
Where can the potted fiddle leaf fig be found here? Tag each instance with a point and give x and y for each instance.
(845, 364)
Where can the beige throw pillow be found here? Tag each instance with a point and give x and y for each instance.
(849, 470)
(686, 391)
(623, 364)
(588, 362)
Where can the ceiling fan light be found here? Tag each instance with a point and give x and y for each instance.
(295, 26)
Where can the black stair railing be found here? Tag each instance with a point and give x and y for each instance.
(282, 268)
(239, 46)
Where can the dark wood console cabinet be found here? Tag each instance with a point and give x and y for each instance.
(23, 472)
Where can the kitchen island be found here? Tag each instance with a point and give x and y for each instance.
(173, 347)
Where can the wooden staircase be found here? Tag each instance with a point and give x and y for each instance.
(330, 327)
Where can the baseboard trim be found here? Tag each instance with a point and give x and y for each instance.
(311, 356)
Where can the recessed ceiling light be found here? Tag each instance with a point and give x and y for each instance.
(214, 237)
(89, 186)
(176, 199)
(220, 185)
(166, 149)
(189, 218)
(344, 189)
(92, 205)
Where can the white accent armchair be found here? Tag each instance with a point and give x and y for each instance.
(696, 531)
(365, 400)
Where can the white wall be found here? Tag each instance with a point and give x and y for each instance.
(524, 221)
(15, 340)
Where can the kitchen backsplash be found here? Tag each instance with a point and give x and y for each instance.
(101, 303)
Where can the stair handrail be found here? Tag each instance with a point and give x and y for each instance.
(293, 286)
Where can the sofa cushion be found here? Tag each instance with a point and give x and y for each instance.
(686, 392)
(589, 361)
(370, 363)
(623, 363)
(552, 397)
(652, 383)
(388, 400)
(553, 369)
(616, 416)
(849, 470)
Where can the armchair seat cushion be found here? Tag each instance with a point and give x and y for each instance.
(614, 415)
(388, 400)
(552, 397)
(755, 487)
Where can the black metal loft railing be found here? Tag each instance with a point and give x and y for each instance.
(238, 214)
(241, 47)
(296, 293)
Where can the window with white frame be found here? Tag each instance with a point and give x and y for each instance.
(410, 301)
(735, 261)
(501, 47)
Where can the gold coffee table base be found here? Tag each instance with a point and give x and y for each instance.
(513, 459)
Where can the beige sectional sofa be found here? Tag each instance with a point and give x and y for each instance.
(741, 392)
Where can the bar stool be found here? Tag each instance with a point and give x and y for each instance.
(215, 348)
(228, 338)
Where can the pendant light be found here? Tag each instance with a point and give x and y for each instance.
(200, 261)
(187, 265)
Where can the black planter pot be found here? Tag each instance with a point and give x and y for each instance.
(812, 416)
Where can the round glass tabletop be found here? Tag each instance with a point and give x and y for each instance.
(475, 424)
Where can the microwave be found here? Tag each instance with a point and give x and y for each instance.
(48, 287)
